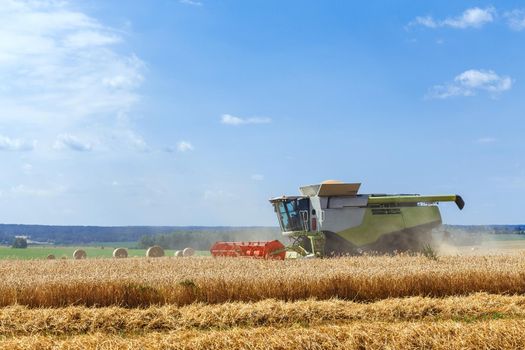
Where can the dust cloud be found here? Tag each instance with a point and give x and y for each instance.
(467, 242)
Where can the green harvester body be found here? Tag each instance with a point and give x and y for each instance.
(331, 218)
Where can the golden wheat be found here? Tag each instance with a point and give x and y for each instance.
(495, 334)
(400, 302)
(20, 320)
(143, 282)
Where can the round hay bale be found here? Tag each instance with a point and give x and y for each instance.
(188, 252)
(155, 252)
(79, 254)
(120, 253)
(51, 257)
(63, 257)
(178, 254)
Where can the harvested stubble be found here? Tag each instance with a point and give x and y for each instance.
(143, 282)
(76, 320)
(494, 334)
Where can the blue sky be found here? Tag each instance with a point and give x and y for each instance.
(196, 112)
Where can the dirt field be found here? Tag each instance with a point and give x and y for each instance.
(368, 302)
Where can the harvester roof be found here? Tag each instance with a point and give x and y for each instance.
(285, 198)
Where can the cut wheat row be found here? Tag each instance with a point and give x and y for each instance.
(19, 320)
(493, 334)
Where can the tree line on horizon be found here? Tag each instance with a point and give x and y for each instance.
(175, 237)
(67, 235)
(204, 239)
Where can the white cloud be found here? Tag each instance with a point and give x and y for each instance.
(191, 2)
(470, 82)
(233, 120)
(257, 177)
(515, 19)
(71, 142)
(134, 140)
(90, 38)
(184, 146)
(479, 79)
(23, 190)
(426, 21)
(59, 66)
(9, 144)
(27, 168)
(471, 18)
(485, 140)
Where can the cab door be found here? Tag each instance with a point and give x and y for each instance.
(303, 206)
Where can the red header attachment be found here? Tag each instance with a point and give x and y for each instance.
(259, 250)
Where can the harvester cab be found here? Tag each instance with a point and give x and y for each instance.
(293, 213)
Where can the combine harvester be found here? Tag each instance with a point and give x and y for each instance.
(331, 218)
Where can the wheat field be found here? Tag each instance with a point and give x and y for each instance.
(78, 320)
(141, 282)
(367, 302)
